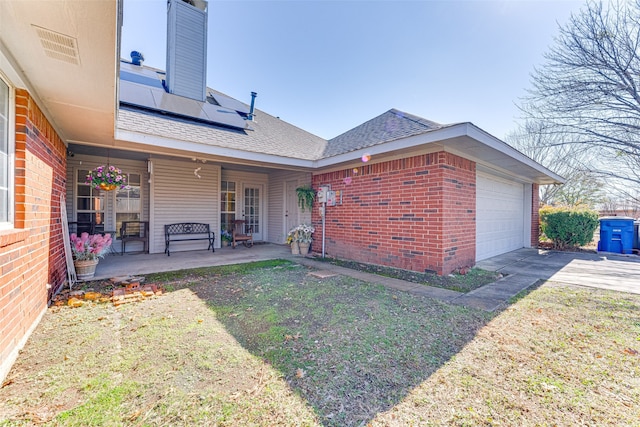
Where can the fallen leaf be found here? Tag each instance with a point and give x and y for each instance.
(74, 302)
(135, 415)
(631, 351)
(92, 296)
(299, 373)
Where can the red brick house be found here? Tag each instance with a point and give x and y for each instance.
(411, 193)
(48, 60)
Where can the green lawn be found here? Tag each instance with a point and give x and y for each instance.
(266, 344)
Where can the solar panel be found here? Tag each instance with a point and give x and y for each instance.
(228, 102)
(156, 99)
(137, 78)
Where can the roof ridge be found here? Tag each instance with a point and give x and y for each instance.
(416, 119)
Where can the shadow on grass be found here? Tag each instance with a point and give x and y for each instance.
(349, 348)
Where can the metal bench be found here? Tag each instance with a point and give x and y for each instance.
(186, 231)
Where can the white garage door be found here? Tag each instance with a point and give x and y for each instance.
(499, 215)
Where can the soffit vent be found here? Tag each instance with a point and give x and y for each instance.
(59, 46)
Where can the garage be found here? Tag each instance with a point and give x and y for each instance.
(500, 225)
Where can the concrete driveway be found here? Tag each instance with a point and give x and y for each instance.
(602, 270)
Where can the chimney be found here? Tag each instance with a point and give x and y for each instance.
(187, 48)
(253, 103)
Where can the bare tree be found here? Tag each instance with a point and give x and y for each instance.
(586, 94)
(582, 186)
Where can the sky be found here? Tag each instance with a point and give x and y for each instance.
(328, 66)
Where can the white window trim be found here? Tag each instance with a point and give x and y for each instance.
(10, 224)
(76, 181)
(109, 212)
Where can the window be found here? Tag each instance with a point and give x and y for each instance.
(89, 204)
(227, 205)
(6, 159)
(128, 201)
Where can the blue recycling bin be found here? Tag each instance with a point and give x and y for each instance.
(616, 235)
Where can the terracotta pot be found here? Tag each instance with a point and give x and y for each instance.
(86, 269)
(295, 248)
(304, 248)
(108, 187)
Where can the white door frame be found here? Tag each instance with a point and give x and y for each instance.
(291, 216)
(240, 207)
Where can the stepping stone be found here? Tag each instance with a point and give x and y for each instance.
(323, 274)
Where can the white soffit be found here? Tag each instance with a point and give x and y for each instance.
(66, 53)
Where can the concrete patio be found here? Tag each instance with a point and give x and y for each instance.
(139, 264)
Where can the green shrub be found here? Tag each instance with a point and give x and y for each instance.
(568, 227)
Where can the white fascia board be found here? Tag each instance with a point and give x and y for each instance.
(501, 146)
(158, 141)
(438, 135)
(9, 68)
(441, 136)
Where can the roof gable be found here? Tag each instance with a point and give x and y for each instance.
(389, 126)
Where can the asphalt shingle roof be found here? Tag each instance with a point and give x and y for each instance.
(269, 134)
(389, 126)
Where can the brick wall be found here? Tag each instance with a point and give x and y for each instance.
(535, 215)
(416, 213)
(32, 254)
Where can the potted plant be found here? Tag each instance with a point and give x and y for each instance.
(106, 178)
(306, 196)
(300, 239)
(225, 237)
(86, 250)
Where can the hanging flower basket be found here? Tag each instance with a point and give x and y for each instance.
(107, 178)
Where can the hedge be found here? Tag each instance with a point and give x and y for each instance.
(568, 227)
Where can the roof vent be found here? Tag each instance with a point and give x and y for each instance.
(136, 57)
(59, 46)
(253, 104)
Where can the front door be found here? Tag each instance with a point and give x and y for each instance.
(252, 209)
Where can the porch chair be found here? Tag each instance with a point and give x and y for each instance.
(241, 232)
(134, 231)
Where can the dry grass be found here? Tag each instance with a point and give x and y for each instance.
(268, 345)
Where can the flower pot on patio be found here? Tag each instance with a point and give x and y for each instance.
(295, 248)
(85, 269)
(304, 248)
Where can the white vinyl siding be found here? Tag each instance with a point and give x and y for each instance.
(500, 218)
(178, 195)
(277, 203)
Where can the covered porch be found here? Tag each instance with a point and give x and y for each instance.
(179, 187)
(115, 265)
